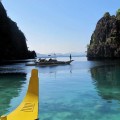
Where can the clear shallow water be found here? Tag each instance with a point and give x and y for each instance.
(83, 90)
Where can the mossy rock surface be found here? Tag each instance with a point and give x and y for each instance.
(105, 40)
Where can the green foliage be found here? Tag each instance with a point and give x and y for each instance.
(118, 11)
(92, 46)
(88, 46)
(118, 14)
(107, 14)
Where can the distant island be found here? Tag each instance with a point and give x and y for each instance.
(13, 44)
(73, 54)
(105, 40)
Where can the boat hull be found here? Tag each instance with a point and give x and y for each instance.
(48, 63)
(53, 63)
(28, 109)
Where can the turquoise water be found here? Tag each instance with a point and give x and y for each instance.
(84, 90)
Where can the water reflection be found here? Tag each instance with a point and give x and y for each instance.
(107, 81)
(10, 87)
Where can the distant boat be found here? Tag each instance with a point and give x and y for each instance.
(50, 62)
(53, 62)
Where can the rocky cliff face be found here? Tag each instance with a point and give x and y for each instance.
(12, 40)
(105, 40)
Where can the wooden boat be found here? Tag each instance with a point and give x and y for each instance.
(28, 109)
(52, 62)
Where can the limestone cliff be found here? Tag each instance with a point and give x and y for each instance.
(105, 40)
(12, 40)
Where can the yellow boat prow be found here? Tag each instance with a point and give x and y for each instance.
(28, 109)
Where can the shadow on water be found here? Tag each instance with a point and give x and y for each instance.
(10, 87)
(107, 81)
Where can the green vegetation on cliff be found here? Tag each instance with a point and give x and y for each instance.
(105, 40)
(12, 40)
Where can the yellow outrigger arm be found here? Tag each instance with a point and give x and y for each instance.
(28, 109)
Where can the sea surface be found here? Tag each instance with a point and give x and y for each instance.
(84, 90)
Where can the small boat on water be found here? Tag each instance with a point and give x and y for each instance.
(28, 109)
(50, 62)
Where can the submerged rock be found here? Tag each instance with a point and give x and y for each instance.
(12, 40)
(105, 40)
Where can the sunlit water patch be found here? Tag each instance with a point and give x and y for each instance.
(10, 86)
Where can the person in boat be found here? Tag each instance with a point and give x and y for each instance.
(39, 59)
(52, 60)
(70, 57)
(42, 60)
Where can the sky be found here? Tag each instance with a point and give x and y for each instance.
(58, 26)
